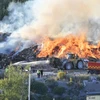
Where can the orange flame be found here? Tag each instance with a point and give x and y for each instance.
(75, 44)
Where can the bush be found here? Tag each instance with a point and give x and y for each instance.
(1, 75)
(80, 86)
(67, 98)
(61, 75)
(98, 77)
(45, 97)
(75, 97)
(38, 87)
(59, 90)
(70, 84)
(63, 98)
(51, 83)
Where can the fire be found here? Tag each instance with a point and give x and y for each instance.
(75, 44)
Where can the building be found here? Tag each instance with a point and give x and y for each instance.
(93, 96)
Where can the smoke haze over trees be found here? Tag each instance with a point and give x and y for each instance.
(4, 5)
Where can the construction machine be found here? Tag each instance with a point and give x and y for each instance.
(72, 61)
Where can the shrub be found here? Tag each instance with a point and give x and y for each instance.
(1, 75)
(70, 84)
(63, 98)
(59, 98)
(45, 97)
(51, 83)
(80, 86)
(59, 90)
(38, 87)
(67, 98)
(61, 75)
(98, 77)
(75, 97)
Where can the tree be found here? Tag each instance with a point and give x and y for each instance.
(14, 85)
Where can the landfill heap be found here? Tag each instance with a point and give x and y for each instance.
(28, 54)
(33, 53)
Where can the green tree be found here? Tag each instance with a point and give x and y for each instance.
(14, 85)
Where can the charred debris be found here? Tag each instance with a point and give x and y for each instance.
(28, 55)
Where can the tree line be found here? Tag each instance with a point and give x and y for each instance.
(4, 5)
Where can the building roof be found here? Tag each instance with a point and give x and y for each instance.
(93, 87)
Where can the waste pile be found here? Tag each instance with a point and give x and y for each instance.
(28, 54)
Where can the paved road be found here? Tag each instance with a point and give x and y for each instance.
(77, 72)
(69, 72)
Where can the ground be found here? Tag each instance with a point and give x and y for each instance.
(77, 88)
(80, 85)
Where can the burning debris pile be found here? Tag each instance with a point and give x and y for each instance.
(71, 43)
(58, 47)
(28, 54)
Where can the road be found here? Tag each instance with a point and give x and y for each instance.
(69, 72)
(77, 72)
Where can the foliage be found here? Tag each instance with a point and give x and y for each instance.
(67, 98)
(51, 83)
(70, 84)
(98, 77)
(80, 86)
(14, 85)
(61, 75)
(4, 5)
(1, 74)
(63, 98)
(59, 90)
(38, 87)
(45, 97)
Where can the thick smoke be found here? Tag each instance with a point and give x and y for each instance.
(60, 17)
(36, 19)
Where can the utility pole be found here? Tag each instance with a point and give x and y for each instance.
(29, 83)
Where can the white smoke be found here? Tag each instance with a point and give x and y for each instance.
(19, 14)
(36, 19)
(60, 17)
